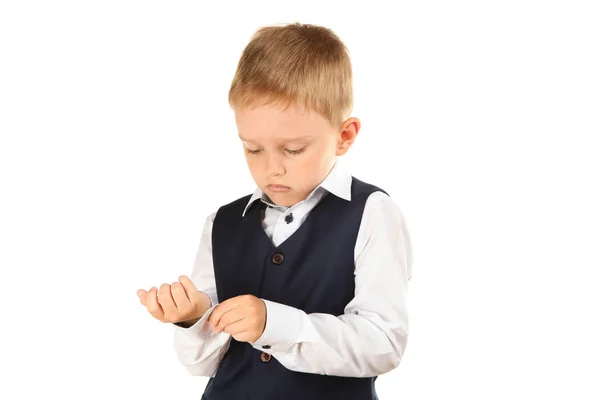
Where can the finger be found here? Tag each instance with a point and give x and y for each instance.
(236, 328)
(231, 317)
(188, 286)
(195, 296)
(141, 294)
(153, 306)
(192, 293)
(244, 336)
(222, 308)
(180, 297)
(166, 301)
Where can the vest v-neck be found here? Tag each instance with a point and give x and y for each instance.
(257, 215)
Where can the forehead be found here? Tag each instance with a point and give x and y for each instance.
(273, 122)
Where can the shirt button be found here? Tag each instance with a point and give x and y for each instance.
(266, 346)
(277, 258)
(265, 357)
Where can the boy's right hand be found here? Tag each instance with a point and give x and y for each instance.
(179, 302)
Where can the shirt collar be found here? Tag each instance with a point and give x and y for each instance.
(338, 182)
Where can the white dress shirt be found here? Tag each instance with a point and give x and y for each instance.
(369, 339)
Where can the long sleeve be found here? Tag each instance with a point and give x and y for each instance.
(369, 339)
(197, 347)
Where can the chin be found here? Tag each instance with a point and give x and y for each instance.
(282, 199)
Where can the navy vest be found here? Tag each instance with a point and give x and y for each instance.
(312, 270)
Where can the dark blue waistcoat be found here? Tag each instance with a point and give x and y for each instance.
(312, 270)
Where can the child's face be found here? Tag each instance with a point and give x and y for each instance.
(290, 152)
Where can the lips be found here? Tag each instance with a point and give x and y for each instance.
(278, 188)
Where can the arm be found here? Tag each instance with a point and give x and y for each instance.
(198, 349)
(369, 339)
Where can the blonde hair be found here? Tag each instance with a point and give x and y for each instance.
(302, 64)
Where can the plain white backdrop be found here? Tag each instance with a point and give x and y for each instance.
(481, 119)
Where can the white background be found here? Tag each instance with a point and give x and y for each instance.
(480, 118)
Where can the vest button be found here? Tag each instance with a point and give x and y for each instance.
(277, 258)
(265, 357)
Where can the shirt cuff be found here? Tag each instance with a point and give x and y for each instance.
(282, 329)
(201, 330)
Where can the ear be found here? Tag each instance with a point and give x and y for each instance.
(348, 131)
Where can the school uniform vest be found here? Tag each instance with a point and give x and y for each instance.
(312, 270)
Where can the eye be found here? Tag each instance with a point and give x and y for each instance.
(252, 151)
(298, 151)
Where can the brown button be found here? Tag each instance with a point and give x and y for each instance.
(277, 258)
(265, 357)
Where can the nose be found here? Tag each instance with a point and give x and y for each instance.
(274, 165)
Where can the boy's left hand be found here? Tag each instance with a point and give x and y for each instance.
(243, 317)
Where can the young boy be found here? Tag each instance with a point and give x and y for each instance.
(299, 290)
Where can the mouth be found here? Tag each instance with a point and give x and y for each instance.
(278, 188)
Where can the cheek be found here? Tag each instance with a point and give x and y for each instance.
(253, 159)
(311, 166)
(252, 163)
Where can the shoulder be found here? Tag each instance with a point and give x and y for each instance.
(361, 188)
(381, 212)
(227, 209)
(230, 213)
(378, 204)
(382, 206)
(236, 205)
(226, 213)
(383, 222)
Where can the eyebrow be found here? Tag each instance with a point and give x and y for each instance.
(293, 139)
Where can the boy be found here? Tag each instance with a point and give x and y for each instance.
(299, 290)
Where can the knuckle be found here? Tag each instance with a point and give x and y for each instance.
(223, 321)
(185, 309)
(171, 314)
(172, 317)
(157, 315)
(164, 289)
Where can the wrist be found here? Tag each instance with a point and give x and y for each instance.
(203, 306)
(187, 324)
